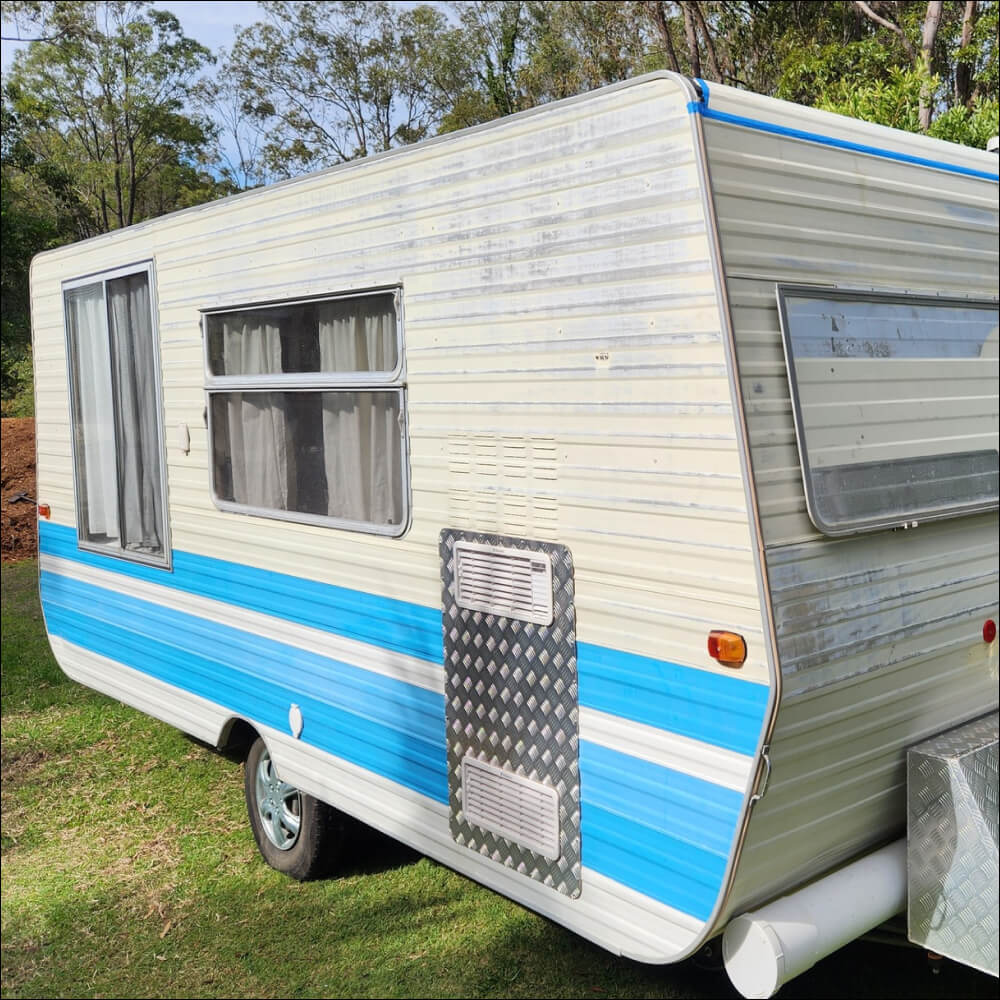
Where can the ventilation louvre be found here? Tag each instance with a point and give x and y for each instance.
(512, 583)
(512, 806)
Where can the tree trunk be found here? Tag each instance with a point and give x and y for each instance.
(963, 68)
(660, 20)
(691, 35)
(713, 58)
(932, 21)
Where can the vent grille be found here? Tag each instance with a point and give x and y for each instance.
(514, 807)
(512, 583)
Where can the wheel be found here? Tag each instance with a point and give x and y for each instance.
(295, 833)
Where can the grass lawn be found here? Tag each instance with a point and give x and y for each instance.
(129, 870)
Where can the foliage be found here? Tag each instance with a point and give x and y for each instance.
(98, 133)
(18, 399)
(105, 101)
(856, 66)
(328, 82)
(974, 125)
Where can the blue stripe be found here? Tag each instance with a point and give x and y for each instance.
(664, 834)
(701, 108)
(383, 621)
(711, 708)
(720, 710)
(381, 724)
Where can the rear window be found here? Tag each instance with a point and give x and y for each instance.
(895, 403)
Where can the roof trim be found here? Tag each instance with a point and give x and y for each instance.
(702, 108)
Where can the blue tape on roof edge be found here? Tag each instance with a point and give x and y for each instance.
(701, 108)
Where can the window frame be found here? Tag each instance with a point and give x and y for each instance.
(118, 551)
(379, 381)
(841, 529)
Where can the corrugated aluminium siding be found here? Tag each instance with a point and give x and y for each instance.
(878, 635)
(566, 380)
(524, 252)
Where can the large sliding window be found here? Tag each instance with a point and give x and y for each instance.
(895, 402)
(116, 414)
(307, 411)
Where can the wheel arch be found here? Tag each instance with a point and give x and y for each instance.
(236, 737)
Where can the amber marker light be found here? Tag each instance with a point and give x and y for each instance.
(44, 510)
(728, 648)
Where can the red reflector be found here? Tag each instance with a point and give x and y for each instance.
(989, 630)
(728, 648)
(44, 510)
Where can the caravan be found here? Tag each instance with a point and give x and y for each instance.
(600, 501)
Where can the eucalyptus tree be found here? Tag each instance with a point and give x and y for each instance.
(104, 96)
(328, 82)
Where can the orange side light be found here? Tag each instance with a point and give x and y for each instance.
(728, 648)
(44, 510)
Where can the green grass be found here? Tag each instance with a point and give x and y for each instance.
(129, 870)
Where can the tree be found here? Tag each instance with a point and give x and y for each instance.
(573, 47)
(240, 144)
(104, 97)
(918, 66)
(98, 133)
(328, 82)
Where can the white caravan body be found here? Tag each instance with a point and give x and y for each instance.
(577, 454)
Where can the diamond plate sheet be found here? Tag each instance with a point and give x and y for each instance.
(511, 700)
(952, 857)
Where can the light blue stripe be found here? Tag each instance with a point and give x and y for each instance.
(701, 108)
(383, 621)
(379, 723)
(710, 708)
(664, 834)
(720, 710)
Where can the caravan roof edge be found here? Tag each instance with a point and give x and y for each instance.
(683, 83)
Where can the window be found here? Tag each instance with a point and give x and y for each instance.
(307, 411)
(116, 414)
(895, 403)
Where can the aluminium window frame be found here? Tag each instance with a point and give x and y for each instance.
(147, 267)
(381, 381)
(784, 290)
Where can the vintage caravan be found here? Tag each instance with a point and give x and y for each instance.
(601, 501)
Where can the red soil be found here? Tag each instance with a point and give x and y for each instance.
(19, 535)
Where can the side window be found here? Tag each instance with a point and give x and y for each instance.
(895, 402)
(116, 417)
(307, 411)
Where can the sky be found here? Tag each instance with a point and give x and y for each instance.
(211, 22)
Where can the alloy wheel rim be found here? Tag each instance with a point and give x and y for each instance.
(279, 805)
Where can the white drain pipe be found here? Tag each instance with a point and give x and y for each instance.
(769, 946)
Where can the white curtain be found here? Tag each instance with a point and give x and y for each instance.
(95, 421)
(139, 457)
(361, 435)
(258, 432)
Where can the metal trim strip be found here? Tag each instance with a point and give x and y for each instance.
(702, 109)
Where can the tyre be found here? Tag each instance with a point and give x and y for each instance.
(295, 833)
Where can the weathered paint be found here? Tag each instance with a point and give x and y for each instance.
(569, 379)
(566, 380)
(878, 635)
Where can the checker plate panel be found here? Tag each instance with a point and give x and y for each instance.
(511, 701)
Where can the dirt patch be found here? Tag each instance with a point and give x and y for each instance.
(14, 766)
(19, 535)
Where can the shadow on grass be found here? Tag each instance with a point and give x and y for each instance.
(368, 852)
(413, 928)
